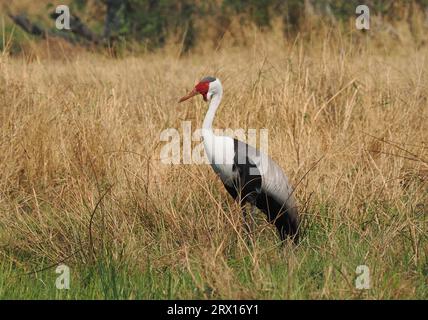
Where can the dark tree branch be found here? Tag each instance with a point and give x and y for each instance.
(77, 27)
(31, 28)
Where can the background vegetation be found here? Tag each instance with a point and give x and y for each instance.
(139, 25)
(81, 181)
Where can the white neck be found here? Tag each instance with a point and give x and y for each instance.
(213, 151)
(209, 117)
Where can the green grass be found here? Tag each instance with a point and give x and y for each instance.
(279, 272)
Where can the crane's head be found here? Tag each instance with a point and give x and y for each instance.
(207, 87)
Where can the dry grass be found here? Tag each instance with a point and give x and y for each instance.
(77, 131)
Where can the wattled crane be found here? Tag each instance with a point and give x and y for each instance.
(249, 175)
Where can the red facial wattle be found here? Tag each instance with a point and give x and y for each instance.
(202, 88)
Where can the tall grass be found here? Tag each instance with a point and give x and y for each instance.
(81, 181)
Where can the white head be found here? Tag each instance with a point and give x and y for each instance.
(208, 87)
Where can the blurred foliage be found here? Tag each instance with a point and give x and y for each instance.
(148, 21)
(152, 22)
